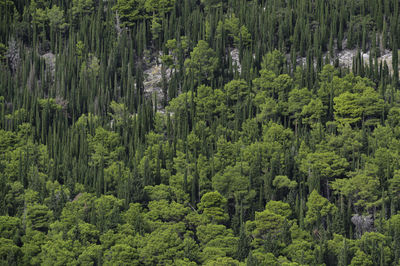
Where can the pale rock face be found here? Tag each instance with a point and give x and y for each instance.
(153, 81)
(345, 57)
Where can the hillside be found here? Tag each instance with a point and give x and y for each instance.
(204, 132)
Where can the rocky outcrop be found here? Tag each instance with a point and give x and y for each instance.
(154, 79)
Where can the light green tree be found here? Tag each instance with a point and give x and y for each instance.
(130, 11)
(360, 189)
(56, 18)
(361, 259)
(212, 206)
(202, 62)
(321, 167)
(318, 210)
(82, 7)
(10, 254)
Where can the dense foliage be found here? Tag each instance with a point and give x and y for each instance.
(255, 147)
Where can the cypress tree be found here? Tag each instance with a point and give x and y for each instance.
(395, 62)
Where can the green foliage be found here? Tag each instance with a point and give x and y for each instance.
(298, 100)
(282, 181)
(56, 18)
(279, 207)
(273, 61)
(267, 230)
(168, 132)
(59, 251)
(210, 103)
(212, 205)
(163, 245)
(236, 91)
(237, 35)
(159, 6)
(233, 182)
(104, 147)
(212, 4)
(9, 252)
(322, 166)
(359, 106)
(361, 258)
(9, 227)
(81, 7)
(202, 62)
(361, 187)
(120, 254)
(318, 208)
(130, 11)
(3, 50)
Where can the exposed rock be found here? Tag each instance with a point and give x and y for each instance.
(153, 81)
(387, 57)
(346, 56)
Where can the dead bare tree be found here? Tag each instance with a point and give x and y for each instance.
(363, 224)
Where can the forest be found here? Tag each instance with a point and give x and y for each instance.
(199, 132)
